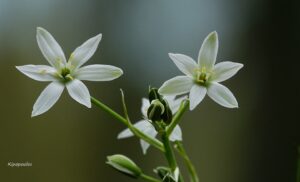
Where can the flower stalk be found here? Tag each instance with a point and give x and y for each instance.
(192, 171)
(152, 141)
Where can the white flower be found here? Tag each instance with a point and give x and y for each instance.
(66, 74)
(146, 127)
(203, 77)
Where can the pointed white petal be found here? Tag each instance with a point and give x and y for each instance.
(79, 92)
(176, 134)
(208, 51)
(98, 72)
(150, 132)
(222, 95)
(174, 103)
(125, 134)
(196, 95)
(184, 63)
(38, 72)
(50, 48)
(84, 52)
(145, 106)
(144, 146)
(141, 125)
(47, 98)
(225, 70)
(176, 86)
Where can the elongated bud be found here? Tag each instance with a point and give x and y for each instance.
(156, 110)
(167, 115)
(159, 109)
(124, 165)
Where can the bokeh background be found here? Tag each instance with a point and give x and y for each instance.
(256, 142)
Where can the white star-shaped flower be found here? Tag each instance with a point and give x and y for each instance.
(203, 77)
(146, 127)
(64, 73)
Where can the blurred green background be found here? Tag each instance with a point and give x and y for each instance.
(256, 142)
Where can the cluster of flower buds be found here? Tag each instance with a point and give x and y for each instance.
(159, 111)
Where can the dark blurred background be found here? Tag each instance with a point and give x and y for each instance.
(256, 142)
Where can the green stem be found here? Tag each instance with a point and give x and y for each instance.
(149, 178)
(183, 106)
(152, 141)
(169, 154)
(188, 162)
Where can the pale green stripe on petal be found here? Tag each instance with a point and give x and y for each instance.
(50, 48)
(79, 92)
(208, 51)
(176, 86)
(98, 72)
(38, 72)
(222, 95)
(84, 52)
(197, 94)
(184, 63)
(47, 98)
(225, 70)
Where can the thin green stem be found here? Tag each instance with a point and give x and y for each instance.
(183, 106)
(152, 141)
(169, 154)
(188, 162)
(149, 178)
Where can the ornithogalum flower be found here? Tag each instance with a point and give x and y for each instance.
(203, 77)
(146, 127)
(64, 73)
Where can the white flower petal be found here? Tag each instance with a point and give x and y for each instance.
(196, 95)
(84, 52)
(79, 92)
(176, 86)
(98, 72)
(141, 125)
(47, 98)
(144, 146)
(174, 103)
(222, 95)
(208, 51)
(50, 48)
(176, 134)
(125, 134)
(145, 106)
(225, 70)
(184, 63)
(150, 132)
(38, 72)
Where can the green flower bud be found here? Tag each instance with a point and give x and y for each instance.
(167, 115)
(154, 95)
(124, 165)
(155, 110)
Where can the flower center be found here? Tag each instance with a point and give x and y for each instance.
(202, 76)
(66, 74)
